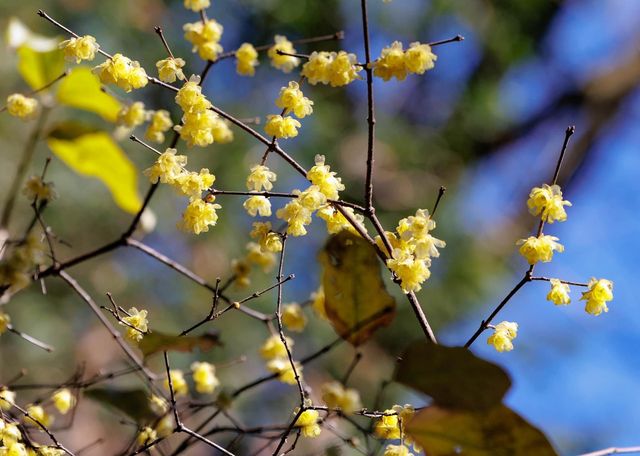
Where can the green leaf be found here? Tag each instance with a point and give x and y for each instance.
(156, 342)
(39, 68)
(453, 376)
(355, 295)
(133, 402)
(498, 431)
(81, 89)
(97, 155)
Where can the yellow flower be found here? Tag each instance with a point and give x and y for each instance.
(337, 222)
(170, 69)
(22, 107)
(257, 204)
(285, 63)
(308, 423)
(391, 63)
(536, 249)
(312, 198)
(281, 127)
(158, 404)
(10, 434)
(7, 397)
(192, 184)
(197, 128)
(205, 38)
(547, 202)
(282, 367)
(167, 168)
(241, 270)
(16, 449)
(600, 291)
(197, 5)
(502, 336)
(317, 303)
(198, 216)
(419, 58)
(292, 100)
(559, 293)
(246, 59)
(260, 177)
(165, 426)
(317, 68)
(335, 395)
(123, 72)
(146, 435)
(263, 258)
(273, 347)
(268, 240)
(160, 123)
(178, 382)
(343, 69)
(397, 450)
(387, 427)
(78, 49)
(5, 321)
(396, 243)
(221, 131)
(204, 376)
(64, 400)
(133, 115)
(322, 176)
(293, 318)
(37, 413)
(136, 324)
(35, 187)
(411, 271)
(296, 216)
(190, 97)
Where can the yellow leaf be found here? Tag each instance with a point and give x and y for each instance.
(81, 89)
(356, 301)
(95, 154)
(39, 68)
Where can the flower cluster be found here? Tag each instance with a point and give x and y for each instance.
(123, 72)
(80, 48)
(539, 249)
(64, 400)
(204, 376)
(334, 68)
(547, 202)
(293, 318)
(291, 99)
(178, 382)
(159, 124)
(308, 423)
(136, 323)
(257, 255)
(394, 62)
(285, 63)
(335, 395)
(170, 69)
(559, 293)
(205, 37)
(274, 352)
(246, 59)
(391, 425)
(24, 108)
(503, 335)
(600, 291)
(133, 115)
(269, 240)
(197, 5)
(36, 189)
(18, 265)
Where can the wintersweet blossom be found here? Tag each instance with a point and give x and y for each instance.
(221, 130)
(268, 240)
(335, 395)
(197, 128)
(317, 303)
(536, 249)
(260, 177)
(7, 398)
(285, 63)
(146, 435)
(204, 376)
(559, 293)
(308, 423)
(311, 198)
(293, 318)
(159, 125)
(22, 107)
(257, 204)
(336, 221)
(394, 62)
(281, 127)
(296, 216)
(397, 450)
(197, 5)
(179, 384)
(133, 115)
(136, 323)
(411, 271)
(192, 184)
(246, 60)
(337, 69)
(419, 58)
(291, 99)
(190, 97)
(80, 48)
(170, 69)
(205, 38)
(36, 188)
(64, 400)
(167, 168)
(273, 347)
(5, 321)
(503, 335)
(388, 426)
(600, 291)
(123, 72)
(258, 256)
(547, 202)
(282, 367)
(36, 414)
(11, 433)
(198, 216)
(322, 176)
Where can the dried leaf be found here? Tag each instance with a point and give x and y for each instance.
(133, 402)
(157, 342)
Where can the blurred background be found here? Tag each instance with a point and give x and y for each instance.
(487, 123)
